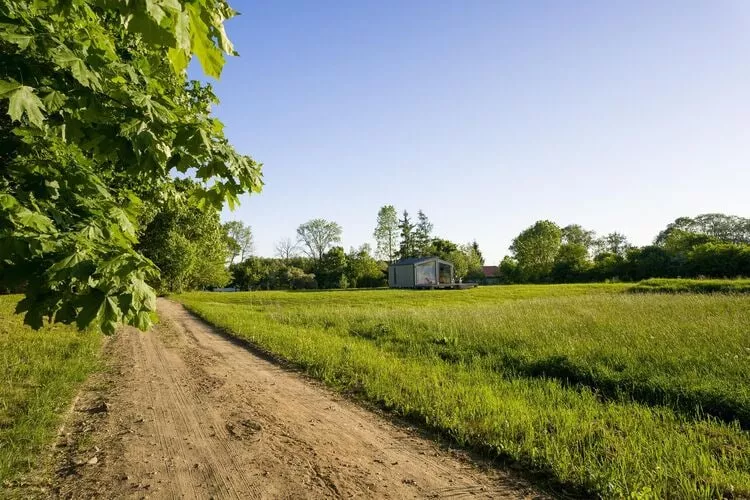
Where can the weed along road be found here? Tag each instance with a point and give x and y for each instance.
(185, 413)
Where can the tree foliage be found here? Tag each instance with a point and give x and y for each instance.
(240, 239)
(407, 245)
(96, 115)
(188, 244)
(571, 261)
(362, 270)
(317, 236)
(708, 245)
(331, 269)
(440, 247)
(535, 249)
(387, 233)
(475, 249)
(721, 227)
(422, 234)
(615, 243)
(574, 234)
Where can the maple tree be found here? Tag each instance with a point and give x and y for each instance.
(96, 116)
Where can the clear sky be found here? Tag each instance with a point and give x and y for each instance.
(490, 115)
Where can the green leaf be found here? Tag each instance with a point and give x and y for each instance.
(182, 30)
(132, 128)
(92, 232)
(54, 100)
(65, 58)
(7, 201)
(155, 11)
(67, 263)
(144, 297)
(172, 5)
(19, 39)
(24, 101)
(179, 59)
(126, 226)
(202, 44)
(150, 30)
(34, 220)
(111, 315)
(91, 305)
(6, 87)
(76, 265)
(142, 321)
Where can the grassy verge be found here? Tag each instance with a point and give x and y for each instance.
(484, 366)
(666, 285)
(40, 373)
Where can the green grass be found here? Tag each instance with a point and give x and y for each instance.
(40, 373)
(603, 390)
(666, 285)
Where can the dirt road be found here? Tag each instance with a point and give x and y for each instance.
(183, 412)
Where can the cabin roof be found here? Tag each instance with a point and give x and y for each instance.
(418, 260)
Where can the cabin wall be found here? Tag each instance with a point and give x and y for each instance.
(403, 276)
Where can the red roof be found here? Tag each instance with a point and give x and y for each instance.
(490, 271)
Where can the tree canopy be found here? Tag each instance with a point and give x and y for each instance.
(407, 245)
(240, 239)
(422, 233)
(96, 116)
(188, 244)
(708, 245)
(387, 233)
(536, 247)
(722, 227)
(317, 236)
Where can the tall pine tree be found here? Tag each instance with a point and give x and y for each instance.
(407, 247)
(422, 235)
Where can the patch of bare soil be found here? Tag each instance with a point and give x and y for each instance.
(183, 412)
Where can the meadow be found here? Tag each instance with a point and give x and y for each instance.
(667, 285)
(40, 373)
(592, 388)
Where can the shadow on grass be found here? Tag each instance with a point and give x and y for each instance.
(694, 404)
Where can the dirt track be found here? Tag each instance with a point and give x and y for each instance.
(186, 413)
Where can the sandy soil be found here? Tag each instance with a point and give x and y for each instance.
(184, 412)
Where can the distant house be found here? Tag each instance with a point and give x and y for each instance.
(490, 271)
(491, 275)
(424, 272)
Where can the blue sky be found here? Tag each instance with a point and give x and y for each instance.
(490, 115)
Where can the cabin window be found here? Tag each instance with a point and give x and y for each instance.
(425, 273)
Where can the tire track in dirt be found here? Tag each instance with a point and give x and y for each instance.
(191, 414)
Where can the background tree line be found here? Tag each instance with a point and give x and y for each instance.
(710, 245)
(193, 250)
(315, 260)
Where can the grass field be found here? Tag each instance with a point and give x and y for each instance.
(666, 285)
(613, 393)
(40, 372)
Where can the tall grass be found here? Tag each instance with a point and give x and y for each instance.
(605, 391)
(40, 372)
(667, 285)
